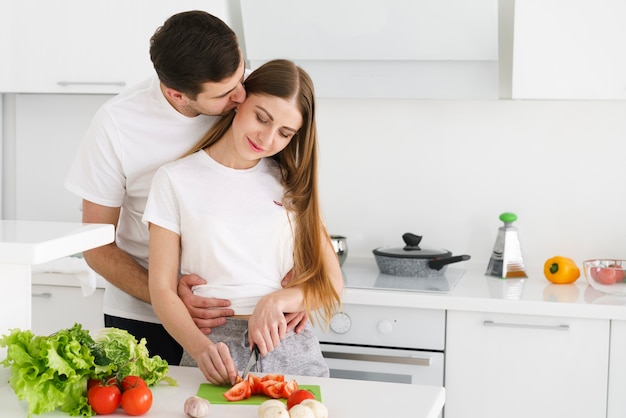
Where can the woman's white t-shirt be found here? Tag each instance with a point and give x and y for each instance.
(235, 232)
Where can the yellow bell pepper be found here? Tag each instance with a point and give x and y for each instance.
(561, 270)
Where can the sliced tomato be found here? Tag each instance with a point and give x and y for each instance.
(276, 377)
(239, 391)
(273, 389)
(289, 388)
(255, 384)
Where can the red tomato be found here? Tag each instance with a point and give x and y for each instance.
(137, 400)
(608, 275)
(255, 384)
(289, 388)
(130, 382)
(239, 391)
(272, 388)
(298, 396)
(108, 382)
(104, 398)
(276, 377)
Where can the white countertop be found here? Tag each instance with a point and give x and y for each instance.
(35, 242)
(343, 398)
(477, 292)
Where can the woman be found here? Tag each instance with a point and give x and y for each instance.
(241, 210)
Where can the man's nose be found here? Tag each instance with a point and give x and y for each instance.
(239, 94)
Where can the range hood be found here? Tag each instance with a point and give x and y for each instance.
(413, 49)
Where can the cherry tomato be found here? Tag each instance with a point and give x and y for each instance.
(137, 400)
(289, 389)
(239, 391)
(130, 382)
(298, 396)
(104, 398)
(608, 275)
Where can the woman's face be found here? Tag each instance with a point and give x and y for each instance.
(264, 125)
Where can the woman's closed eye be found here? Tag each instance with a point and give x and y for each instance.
(261, 118)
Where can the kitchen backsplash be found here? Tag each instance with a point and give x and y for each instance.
(441, 169)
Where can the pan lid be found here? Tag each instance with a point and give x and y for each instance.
(412, 249)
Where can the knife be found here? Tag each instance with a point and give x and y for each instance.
(254, 356)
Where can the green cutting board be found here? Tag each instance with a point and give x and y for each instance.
(215, 394)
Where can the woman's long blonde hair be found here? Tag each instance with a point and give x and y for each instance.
(298, 164)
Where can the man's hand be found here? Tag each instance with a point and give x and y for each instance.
(207, 313)
(295, 321)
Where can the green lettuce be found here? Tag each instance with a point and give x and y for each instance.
(118, 352)
(51, 372)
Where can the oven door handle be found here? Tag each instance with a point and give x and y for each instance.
(414, 361)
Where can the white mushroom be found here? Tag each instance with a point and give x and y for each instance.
(269, 403)
(318, 408)
(301, 411)
(273, 411)
(197, 407)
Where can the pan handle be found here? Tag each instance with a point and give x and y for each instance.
(439, 263)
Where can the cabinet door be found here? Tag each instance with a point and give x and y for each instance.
(617, 366)
(57, 307)
(512, 366)
(569, 50)
(81, 46)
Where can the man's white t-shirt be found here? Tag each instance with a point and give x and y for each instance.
(234, 230)
(130, 137)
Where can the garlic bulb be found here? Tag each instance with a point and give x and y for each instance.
(197, 407)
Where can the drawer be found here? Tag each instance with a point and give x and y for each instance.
(57, 307)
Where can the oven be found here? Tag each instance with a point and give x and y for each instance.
(389, 344)
(399, 344)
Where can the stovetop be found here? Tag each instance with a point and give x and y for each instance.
(366, 275)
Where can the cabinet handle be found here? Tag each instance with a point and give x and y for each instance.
(562, 327)
(91, 83)
(375, 357)
(42, 295)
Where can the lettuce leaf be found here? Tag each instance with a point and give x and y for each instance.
(118, 352)
(51, 372)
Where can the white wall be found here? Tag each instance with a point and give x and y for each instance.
(441, 169)
(447, 169)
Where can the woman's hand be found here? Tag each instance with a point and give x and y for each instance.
(267, 325)
(207, 313)
(217, 365)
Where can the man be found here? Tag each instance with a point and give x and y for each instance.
(200, 71)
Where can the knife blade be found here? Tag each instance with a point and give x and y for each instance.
(254, 356)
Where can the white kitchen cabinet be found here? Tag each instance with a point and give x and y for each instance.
(409, 49)
(503, 365)
(82, 46)
(617, 376)
(569, 50)
(55, 307)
